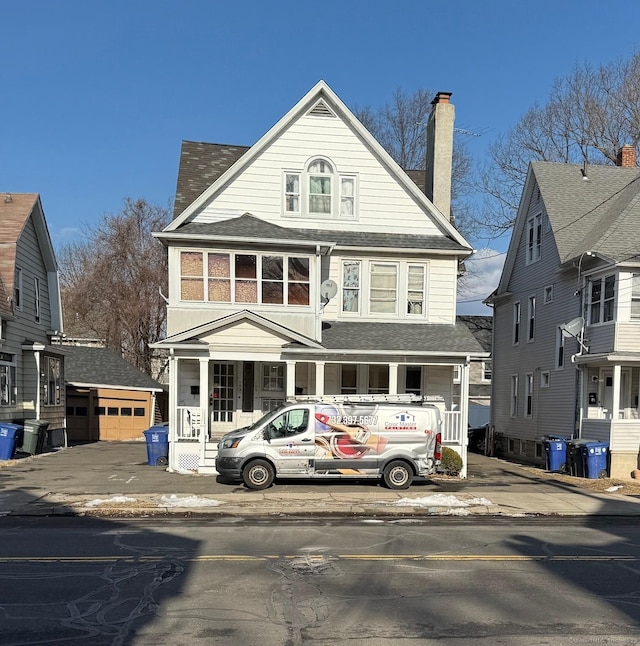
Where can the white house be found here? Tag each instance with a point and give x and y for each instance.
(310, 264)
(566, 351)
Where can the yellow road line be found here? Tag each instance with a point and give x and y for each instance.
(336, 557)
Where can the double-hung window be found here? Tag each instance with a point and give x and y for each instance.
(635, 297)
(534, 238)
(529, 395)
(531, 327)
(416, 289)
(351, 286)
(36, 288)
(514, 395)
(53, 384)
(602, 295)
(559, 349)
(516, 323)
(8, 387)
(320, 174)
(17, 289)
(383, 288)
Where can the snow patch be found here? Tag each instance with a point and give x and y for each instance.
(614, 488)
(440, 500)
(188, 501)
(107, 501)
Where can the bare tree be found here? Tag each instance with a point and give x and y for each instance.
(400, 126)
(111, 282)
(588, 117)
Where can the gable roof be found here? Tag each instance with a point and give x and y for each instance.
(15, 211)
(594, 211)
(92, 366)
(600, 213)
(320, 94)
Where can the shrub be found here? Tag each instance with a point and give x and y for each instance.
(450, 462)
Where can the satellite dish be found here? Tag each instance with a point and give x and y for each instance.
(328, 289)
(573, 328)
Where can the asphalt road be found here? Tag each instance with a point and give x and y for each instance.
(78, 581)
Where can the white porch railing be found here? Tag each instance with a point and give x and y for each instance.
(191, 423)
(452, 427)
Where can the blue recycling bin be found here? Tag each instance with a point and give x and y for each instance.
(9, 435)
(555, 448)
(157, 438)
(595, 459)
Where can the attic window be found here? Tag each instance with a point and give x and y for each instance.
(320, 109)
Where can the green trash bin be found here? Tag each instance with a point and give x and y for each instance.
(35, 434)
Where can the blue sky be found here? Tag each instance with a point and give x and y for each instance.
(97, 95)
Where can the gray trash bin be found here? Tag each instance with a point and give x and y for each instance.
(35, 434)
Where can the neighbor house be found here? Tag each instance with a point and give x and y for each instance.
(566, 351)
(310, 264)
(31, 368)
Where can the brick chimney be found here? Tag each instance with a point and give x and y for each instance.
(439, 159)
(627, 156)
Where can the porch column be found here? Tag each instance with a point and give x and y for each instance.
(320, 378)
(393, 378)
(173, 399)
(204, 400)
(464, 414)
(291, 379)
(617, 383)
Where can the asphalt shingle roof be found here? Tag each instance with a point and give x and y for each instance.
(200, 166)
(103, 367)
(398, 337)
(248, 226)
(600, 213)
(481, 327)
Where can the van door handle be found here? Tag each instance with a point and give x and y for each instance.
(306, 439)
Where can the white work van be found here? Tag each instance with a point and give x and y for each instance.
(390, 437)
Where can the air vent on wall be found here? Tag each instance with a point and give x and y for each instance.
(320, 109)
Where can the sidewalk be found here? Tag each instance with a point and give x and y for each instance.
(113, 480)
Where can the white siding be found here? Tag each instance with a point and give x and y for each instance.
(383, 206)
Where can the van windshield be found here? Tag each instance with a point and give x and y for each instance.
(265, 419)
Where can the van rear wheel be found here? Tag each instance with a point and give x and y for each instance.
(258, 474)
(397, 475)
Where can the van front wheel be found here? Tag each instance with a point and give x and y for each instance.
(397, 475)
(258, 474)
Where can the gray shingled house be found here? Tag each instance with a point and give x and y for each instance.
(108, 398)
(566, 353)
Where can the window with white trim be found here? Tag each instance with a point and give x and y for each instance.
(534, 238)
(17, 289)
(244, 278)
(53, 383)
(416, 283)
(516, 323)
(36, 288)
(548, 294)
(456, 374)
(320, 191)
(383, 288)
(514, 395)
(544, 379)
(602, 299)
(635, 297)
(529, 395)
(531, 327)
(486, 370)
(559, 349)
(8, 383)
(351, 286)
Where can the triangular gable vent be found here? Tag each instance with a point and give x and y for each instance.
(320, 109)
